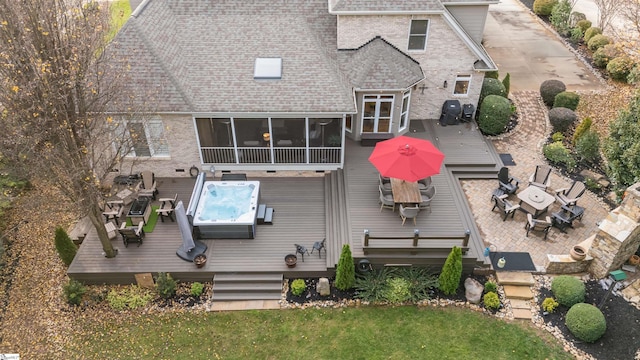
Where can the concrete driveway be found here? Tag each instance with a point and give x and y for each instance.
(521, 45)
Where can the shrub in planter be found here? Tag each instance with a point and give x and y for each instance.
(588, 146)
(586, 322)
(558, 154)
(346, 269)
(591, 32)
(196, 289)
(583, 25)
(567, 99)
(598, 41)
(603, 55)
(298, 287)
(495, 113)
(165, 285)
(64, 245)
(491, 300)
(544, 7)
(549, 89)
(73, 291)
(491, 86)
(549, 305)
(568, 290)
(490, 286)
(562, 118)
(451, 272)
(619, 68)
(584, 126)
(398, 290)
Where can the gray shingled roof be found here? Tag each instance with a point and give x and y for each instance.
(200, 56)
(379, 65)
(387, 6)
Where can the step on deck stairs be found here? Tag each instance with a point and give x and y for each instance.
(247, 287)
(517, 289)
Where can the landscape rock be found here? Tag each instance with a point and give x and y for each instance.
(323, 287)
(473, 290)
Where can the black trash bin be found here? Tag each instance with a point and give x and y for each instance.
(450, 113)
(467, 112)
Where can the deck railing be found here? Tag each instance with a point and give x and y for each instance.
(269, 155)
(418, 243)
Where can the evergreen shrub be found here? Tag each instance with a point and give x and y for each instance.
(73, 291)
(598, 41)
(549, 89)
(491, 300)
(558, 154)
(603, 55)
(346, 270)
(451, 272)
(583, 25)
(568, 290)
(549, 305)
(165, 285)
(586, 322)
(620, 67)
(544, 7)
(562, 118)
(567, 99)
(64, 246)
(591, 32)
(583, 127)
(588, 146)
(490, 286)
(398, 290)
(495, 113)
(196, 289)
(491, 86)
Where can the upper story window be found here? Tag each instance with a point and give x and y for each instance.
(462, 85)
(418, 35)
(142, 138)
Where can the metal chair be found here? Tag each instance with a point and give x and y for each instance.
(505, 206)
(319, 245)
(538, 225)
(507, 183)
(301, 250)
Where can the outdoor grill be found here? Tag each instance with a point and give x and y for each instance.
(450, 113)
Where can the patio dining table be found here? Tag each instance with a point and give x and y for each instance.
(405, 192)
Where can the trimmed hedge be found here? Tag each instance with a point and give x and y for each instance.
(549, 89)
(598, 41)
(619, 68)
(568, 290)
(562, 118)
(603, 55)
(567, 99)
(583, 25)
(591, 32)
(586, 322)
(544, 7)
(495, 113)
(491, 86)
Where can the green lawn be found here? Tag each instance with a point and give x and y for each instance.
(351, 333)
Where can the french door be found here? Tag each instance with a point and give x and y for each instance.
(376, 113)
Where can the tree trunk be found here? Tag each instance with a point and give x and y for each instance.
(96, 220)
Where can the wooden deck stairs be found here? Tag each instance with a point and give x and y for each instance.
(247, 287)
(517, 289)
(338, 225)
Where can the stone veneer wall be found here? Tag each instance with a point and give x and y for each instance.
(618, 235)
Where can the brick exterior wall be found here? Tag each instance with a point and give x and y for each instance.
(445, 57)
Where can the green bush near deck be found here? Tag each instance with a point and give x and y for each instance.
(588, 146)
(73, 291)
(165, 285)
(583, 25)
(568, 290)
(451, 272)
(586, 322)
(491, 300)
(346, 270)
(491, 86)
(64, 246)
(495, 113)
(298, 286)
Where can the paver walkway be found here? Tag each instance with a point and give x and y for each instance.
(525, 146)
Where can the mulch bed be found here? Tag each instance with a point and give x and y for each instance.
(622, 338)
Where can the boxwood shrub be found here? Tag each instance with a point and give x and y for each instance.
(567, 99)
(491, 86)
(561, 118)
(298, 286)
(591, 32)
(598, 41)
(544, 7)
(491, 300)
(495, 112)
(584, 126)
(549, 89)
(568, 290)
(583, 25)
(558, 154)
(588, 146)
(586, 322)
(603, 55)
(619, 68)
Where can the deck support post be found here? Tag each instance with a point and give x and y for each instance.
(416, 236)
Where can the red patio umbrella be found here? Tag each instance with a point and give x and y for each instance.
(406, 158)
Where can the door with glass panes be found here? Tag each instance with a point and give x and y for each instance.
(376, 113)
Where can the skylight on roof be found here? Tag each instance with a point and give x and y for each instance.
(268, 68)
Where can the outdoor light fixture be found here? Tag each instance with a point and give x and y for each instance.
(266, 136)
(444, 84)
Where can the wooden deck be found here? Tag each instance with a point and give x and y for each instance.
(339, 207)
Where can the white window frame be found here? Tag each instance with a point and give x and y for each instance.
(462, 78)
(155, 137)
(404, 113)
(378, 100)
(412, 35)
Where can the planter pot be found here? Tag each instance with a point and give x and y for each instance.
(578, 253)
(291, 260)
(634, 260)
(200, 260)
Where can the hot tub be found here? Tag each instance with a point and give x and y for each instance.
(225, 209)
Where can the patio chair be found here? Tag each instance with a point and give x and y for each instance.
(538, 225)
(301, 250)
(148, 186)
(167, 207)
(505, 206)
(427, 196)
(385, 190)
(132, 233)
(409, 213)
(385, 182)
(424, 184)
(507, 183)
(569, 196)
(541, 177)
(112, 232)
(386, 201)
(113, 210)
(319, 245)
